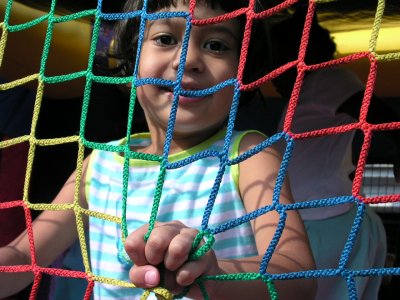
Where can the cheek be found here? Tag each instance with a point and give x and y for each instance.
(144, 69)
(152, 65)
(225, 99)
(142, 95)
(147, 66)
(225, 70)
(148, 96)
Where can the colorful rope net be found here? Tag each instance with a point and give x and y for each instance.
(205, 231)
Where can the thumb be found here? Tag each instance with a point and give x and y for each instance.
(147, 276)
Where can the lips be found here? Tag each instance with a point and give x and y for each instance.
(183, 100)
(186, 99)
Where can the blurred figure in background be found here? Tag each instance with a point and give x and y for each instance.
(322, 167)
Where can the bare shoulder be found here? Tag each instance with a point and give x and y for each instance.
(251, 139)
(258, 174)
(256, 139)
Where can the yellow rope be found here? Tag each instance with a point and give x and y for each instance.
(377, 25)
(18, 82)
(14, 141)
(3, 41)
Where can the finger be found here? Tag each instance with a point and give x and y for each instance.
(169, 282)
(146, 276)
(159, 241)
(135, 246)
(190, 271)
(179, 249)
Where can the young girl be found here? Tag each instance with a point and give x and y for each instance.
(162, 257)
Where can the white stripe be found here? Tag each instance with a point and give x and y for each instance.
(189, 199)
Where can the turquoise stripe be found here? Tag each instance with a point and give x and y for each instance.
(218, 208)
(111, 260)
(172, 175)
(142, 183)
(234, 242)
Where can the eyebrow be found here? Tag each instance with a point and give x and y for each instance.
(223, 29)
(162, 21)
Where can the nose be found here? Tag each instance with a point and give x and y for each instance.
(194, 61)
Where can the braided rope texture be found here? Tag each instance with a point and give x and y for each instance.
(209, 233)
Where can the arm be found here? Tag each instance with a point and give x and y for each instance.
(69, 50)
(293, 253)
(54, 232)
(170, 243)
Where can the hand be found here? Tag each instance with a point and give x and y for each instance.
(169, 246)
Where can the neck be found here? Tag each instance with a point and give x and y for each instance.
(179, 141)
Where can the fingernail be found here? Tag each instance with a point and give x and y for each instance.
(151, 278)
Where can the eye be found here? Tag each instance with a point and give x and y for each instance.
(216, 46)
(165, 40)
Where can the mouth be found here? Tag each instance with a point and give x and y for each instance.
(189, 95)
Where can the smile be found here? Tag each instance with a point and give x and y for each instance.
(188, 96)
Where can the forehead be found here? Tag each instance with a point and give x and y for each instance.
(201, 11)
(156, 5)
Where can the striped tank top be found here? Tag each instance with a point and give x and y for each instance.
(185, 194)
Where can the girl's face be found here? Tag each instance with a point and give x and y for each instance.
(212, 58)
